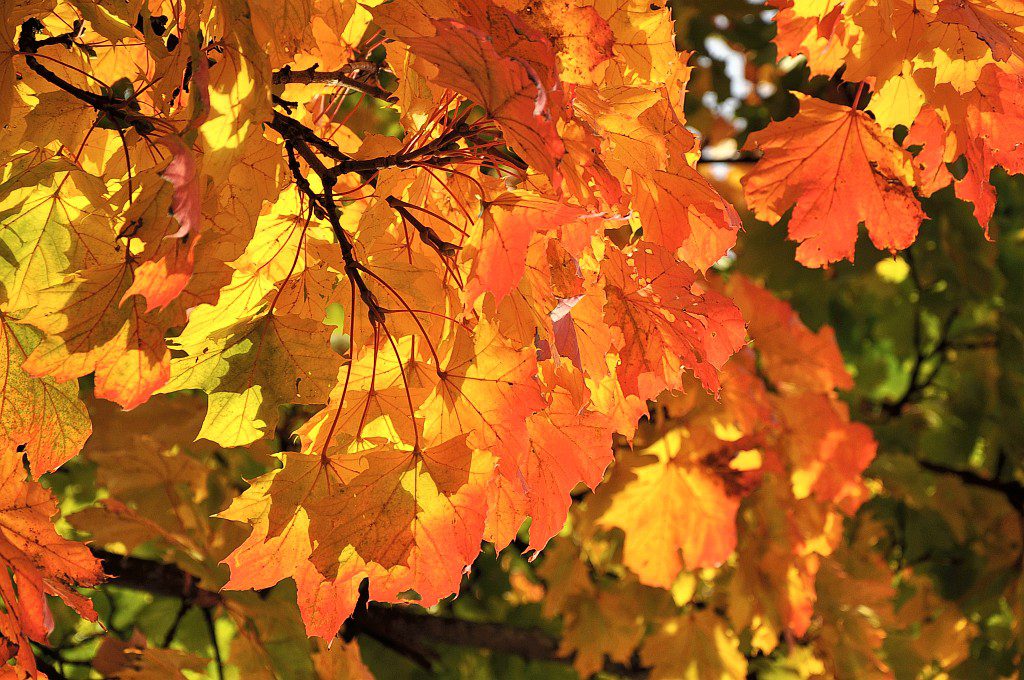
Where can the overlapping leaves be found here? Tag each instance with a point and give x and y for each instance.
(948, 71)
(519, 268)
(495, 315)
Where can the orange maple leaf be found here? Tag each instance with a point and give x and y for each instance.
(836, 168)
(35, 562)
(663, 320)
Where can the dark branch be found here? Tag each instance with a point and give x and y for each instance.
(427, 235)
(49, 669)
(120, 111)
(211, 629)
(323, 205)
(341, 77)
(738, 158)
(294, 131)
(402, 624)
(919, 380)
(155, 578)
(1013, 491)
(183, 609)
(384, 622)
(302, 142)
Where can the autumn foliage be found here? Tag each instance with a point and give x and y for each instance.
(324, 299)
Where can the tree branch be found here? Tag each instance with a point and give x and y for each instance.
(155, 578)
(738, 158)
(294, 131)
(1013, 491)
(340, 77)
(918, 382)
(301, 141)
(385, 622)
(323, 205)
(120, 111)
(402, 624)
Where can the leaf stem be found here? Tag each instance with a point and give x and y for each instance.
(856, 98)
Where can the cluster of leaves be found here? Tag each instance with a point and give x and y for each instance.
(422, 272)
(947, 72)
(775, 460)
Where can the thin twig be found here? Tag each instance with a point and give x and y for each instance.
(211, 628)
(173, 630)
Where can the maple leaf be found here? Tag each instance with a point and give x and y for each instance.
(828, 452)
(728, 474)
(488, 55)
(890, 41)
(182, 174)
(579, 332)
(644, 39)
(772, 588)
(570, 443)
(694, 646)
(835, 168)
(487, 388)
(667, 200)
(945, 635)
(271, 624)
(998, 24)
(791, 356)
(134, 660)
(583, 39)
(165, 264)
(283, 28)
(407, 519)
(663, 321)
(156, 488)
(521, 316)
(675, 512)
(989, 136)
(938, 149)
(42, 225)
(35, 562)
(497, 207)
(890, 49)
(856, 651)
(814, 30)
(509, 223)
(603, 623)
(91, 327)
(39, 414)
(273, 359)
(8, 76)
(341, 661)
